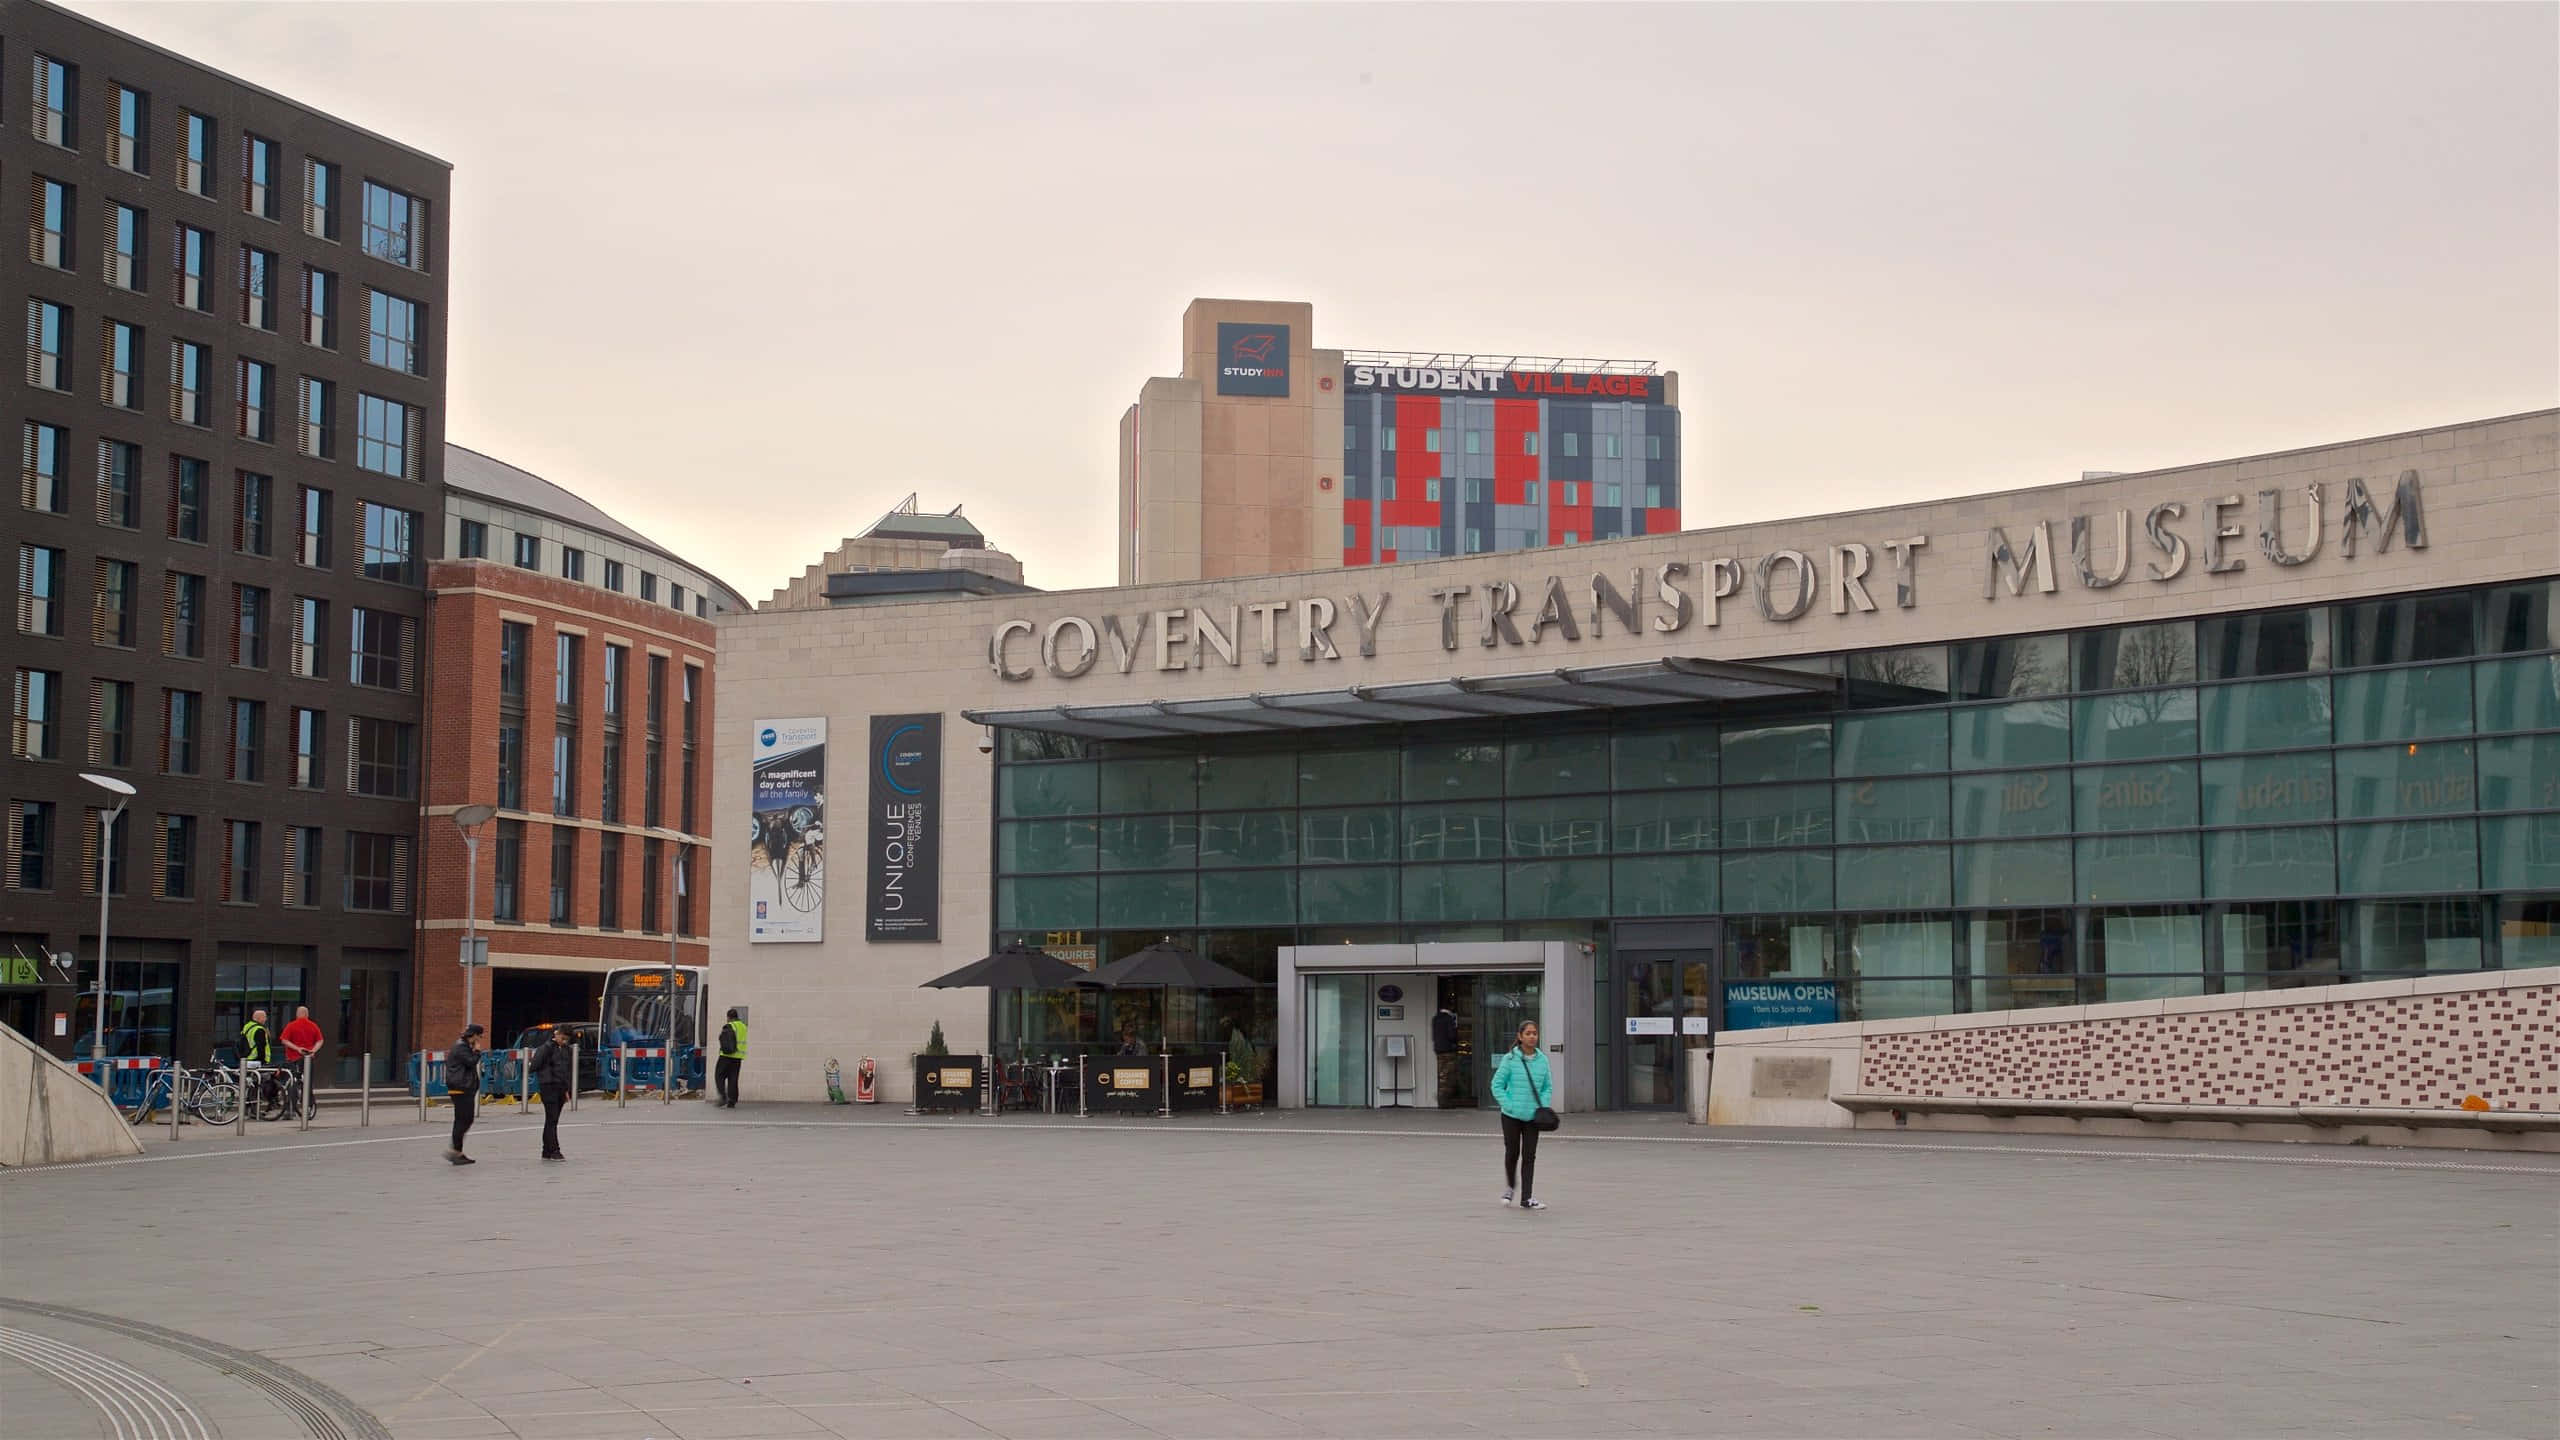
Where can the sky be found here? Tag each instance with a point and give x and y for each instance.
(746, 274)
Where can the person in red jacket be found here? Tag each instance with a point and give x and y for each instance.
(302, 1036)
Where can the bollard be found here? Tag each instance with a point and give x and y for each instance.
(1084, 1083)
(422, 1087)
(1222, 1082)
(240, 1122)
(304, 1106)
(177, 1073)
(364, 1093)
(622, 1077)
(524, 1081)
(667, 1072)
(573, 1076)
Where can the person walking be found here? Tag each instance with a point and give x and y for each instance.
(462, 1087)
(733, 1055)
(553, 1068)
(1522, 1088)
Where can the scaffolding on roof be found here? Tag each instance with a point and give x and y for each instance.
(1464, 360)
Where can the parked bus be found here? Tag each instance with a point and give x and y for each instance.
(635, 1013)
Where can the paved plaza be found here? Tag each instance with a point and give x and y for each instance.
(799, 1271)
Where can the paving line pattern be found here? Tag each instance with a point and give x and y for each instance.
(137, 1407)
(323, 1412)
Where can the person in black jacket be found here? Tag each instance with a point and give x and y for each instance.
(462, 1086)
(1444, 1049)
(552, 1066)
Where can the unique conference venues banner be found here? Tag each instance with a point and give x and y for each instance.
(902, 898)
(786, 874)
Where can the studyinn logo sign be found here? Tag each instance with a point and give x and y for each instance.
(1253, 359)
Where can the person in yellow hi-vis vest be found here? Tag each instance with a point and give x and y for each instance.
(733, 1053)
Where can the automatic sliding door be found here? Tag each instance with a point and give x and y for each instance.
(1338, 1039)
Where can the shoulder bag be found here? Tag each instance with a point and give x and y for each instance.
(1543, 1118)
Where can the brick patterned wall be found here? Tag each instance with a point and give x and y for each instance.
(2426, 1050)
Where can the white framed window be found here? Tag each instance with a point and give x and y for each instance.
(1569, 443)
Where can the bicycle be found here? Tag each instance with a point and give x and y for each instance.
(280, 1093)
(209, 1095)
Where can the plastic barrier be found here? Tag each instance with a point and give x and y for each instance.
(128, 1078)
(648, 1067)
(434, 1067)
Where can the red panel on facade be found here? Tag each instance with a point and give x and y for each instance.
(1416, 466)
(1513, 422)
(1661, 522)
(1355, 516)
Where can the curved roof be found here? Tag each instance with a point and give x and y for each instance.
(490, 478)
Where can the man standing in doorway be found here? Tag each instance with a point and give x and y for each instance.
(1444, 1046)
(552, 1066)
(462, 1087)
(733, 1056)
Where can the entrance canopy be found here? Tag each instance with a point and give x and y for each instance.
(1672, 680)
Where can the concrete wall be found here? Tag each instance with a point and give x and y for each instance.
(50, 1114)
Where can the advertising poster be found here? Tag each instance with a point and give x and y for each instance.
(902, 899)
(786, 869)
(1253, 359)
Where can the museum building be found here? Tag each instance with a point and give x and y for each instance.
(2281, 721)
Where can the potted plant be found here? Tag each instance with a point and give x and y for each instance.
(934, 1044)
(1238, 1092)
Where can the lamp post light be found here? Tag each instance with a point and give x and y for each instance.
(106, 887)
(675, 843)
(468, 820)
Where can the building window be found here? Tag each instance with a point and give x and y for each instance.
(177, 858)
(1387, 438)
(111, 622)
(186, 616)
(307, 737)
(564, 770)
(1569, 443)
(257, 400)
(390, 543)
(395, 339)
(48, 331)
(249, 522)
(684, 890)
(257, 288)
(1609, 446)
(1475, 442)
(1653, 497)
(564, 870)
(187, 482)
(117, 876)
(258, 176)
(126, 229)
(378, 649)
(57, 97)
(319, 428)
(1609, 495)
(129, 148)
(248, 735)
(319, 308)
(195, 164)
(310, 635)
(617, 666)
(111, 723)
(382, 435)
(1528, 442)
(302, 866)
(675, 596)
(1572, 494)
(39, 590)
(43, 488)
(510, 763)
(121, 378)
(565, 649)
(609, 802)
(515, 641)
(1475, 542)
(240, 862)
(377, 872)
(249, 635)
(701, 607)
(395, 226)
(193, 254)
(573, 563)
(609, 880)
(613, 576)
(382, 758)
(507, 904)
(1571, 538)
(30, 845)
(471, 541)
(311, 543)
(49, 234)
(654, 767)
(119, 474)
(189, 364)
(528, 552)
(648, 587)
(649, 885)
(319, 199)
(35, 715)
(1653, 447)
(182, 725)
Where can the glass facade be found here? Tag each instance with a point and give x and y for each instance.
(2198, 807)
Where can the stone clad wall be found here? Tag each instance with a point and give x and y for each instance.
(2419, 1043)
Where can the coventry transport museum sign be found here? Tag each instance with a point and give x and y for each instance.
(1782, 585)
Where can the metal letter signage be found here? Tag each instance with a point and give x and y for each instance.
(786, 869)
(902, 870)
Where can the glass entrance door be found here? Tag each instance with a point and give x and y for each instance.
(1338, 1040)
(1665, 1014)
(1504, 1003)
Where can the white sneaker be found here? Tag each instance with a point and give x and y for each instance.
(1506, 1197)
(1533, 1204)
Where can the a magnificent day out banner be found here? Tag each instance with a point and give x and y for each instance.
(786, 874)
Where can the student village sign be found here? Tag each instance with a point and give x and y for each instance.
(1782, 585)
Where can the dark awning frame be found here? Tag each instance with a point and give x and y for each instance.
(1671, 680)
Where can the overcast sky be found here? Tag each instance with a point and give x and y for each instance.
(744, 275)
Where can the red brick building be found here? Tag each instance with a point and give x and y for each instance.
(569, 684)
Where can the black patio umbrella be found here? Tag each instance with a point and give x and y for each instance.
(1015, 967)
(1169, 966)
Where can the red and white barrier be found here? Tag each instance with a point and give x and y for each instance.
(143, 1062)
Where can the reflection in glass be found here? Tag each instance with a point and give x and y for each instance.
(2400, 936)
(2281, 944)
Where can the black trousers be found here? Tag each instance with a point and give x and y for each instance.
(1519, 1155)
(466, 1108)
(724, 1077)
(554, 1098)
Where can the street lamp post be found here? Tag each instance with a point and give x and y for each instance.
(675, 889)
(468, 820)
(106, 887)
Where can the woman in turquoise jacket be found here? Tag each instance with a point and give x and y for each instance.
(1520, 1086)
